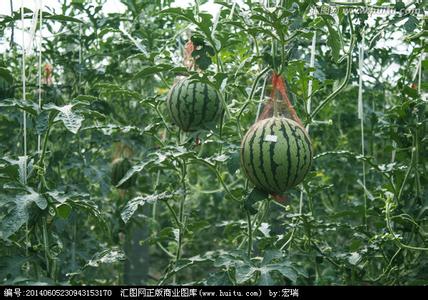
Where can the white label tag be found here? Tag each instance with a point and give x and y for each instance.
(271, 138)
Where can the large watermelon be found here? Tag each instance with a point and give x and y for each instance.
(276, 154)
(120, 167)
(194, 105)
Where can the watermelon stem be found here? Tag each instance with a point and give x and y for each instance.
(345, 80)
(250, 235)
(217, 173)
(250, 97)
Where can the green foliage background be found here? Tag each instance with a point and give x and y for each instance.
(191, 216)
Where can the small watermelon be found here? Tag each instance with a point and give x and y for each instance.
(194, 105)
(120, 167)
(276, 154)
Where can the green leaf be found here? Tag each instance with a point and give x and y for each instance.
(231, 259)
(218, 279)
(265, 229)
(132, 206)
(151, 70)
(9, 169)
(334, 40)
(354, 258)
(412, 93)
(271, 255)
(203, 62)
(254, 196)
(134, 170)
(411, 24)
(28, 106)
(82, 203)
(87, 98)
(63, 210)
(71, 118)
(61, 18)
(107, 256)
(244, 272)
(20, 212)
(285, 270)
(202, 20)
(12, 265)
(42, 122)
(233, 162)
(6, 74)
(63, 196)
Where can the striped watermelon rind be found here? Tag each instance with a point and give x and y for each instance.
(194, 105)
(276, 154)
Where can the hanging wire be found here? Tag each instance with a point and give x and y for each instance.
(360, 80)
(39, 75)
(361, 117)
(80, 54)
(309, 102)
(311, 65)
(33, 28)
(215, 22)
(24, 114)
(420, 71)
(232, 9)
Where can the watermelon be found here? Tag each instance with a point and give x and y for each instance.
(276, 154)
(194, 105)
(120, 167)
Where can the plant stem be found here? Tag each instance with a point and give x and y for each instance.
(250, 97)
(212, 167)
(13, 27)
(46, 246)
(181, 214)
(345, 81)
(250, 235)
(273, 52)
(388, 206)
(173, 213)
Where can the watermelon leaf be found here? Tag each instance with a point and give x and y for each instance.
(254, 196)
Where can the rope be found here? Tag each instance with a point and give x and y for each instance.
(279, 86)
